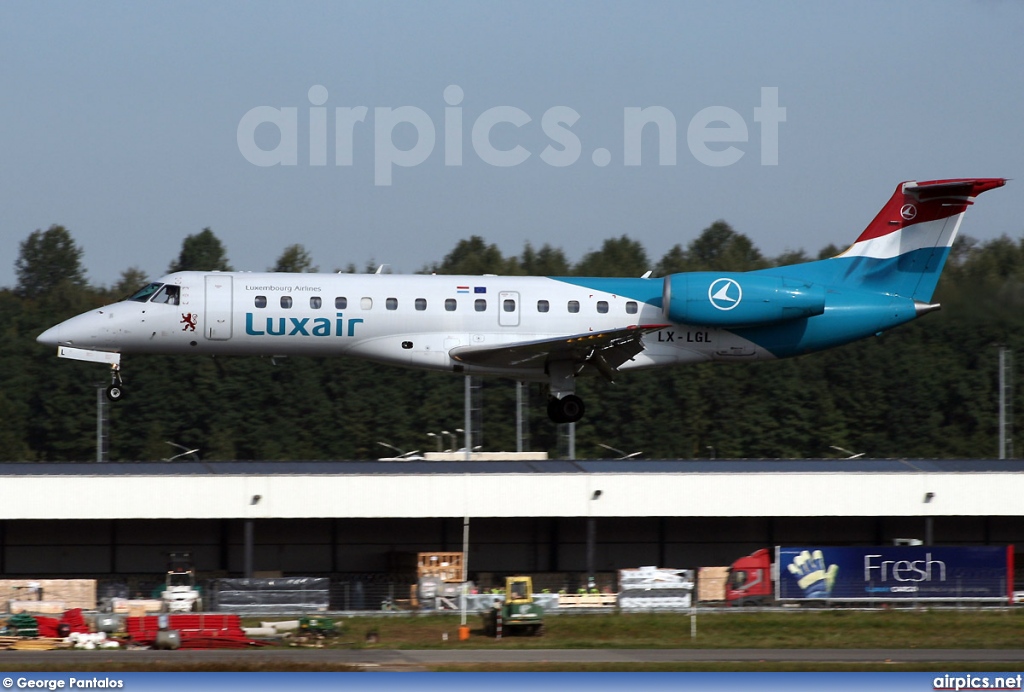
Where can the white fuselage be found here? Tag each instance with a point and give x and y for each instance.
(408, 320)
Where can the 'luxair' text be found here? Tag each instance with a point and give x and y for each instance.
(302, 326)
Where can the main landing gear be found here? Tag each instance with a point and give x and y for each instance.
(116, 389)
(568, 409)
(563, 404)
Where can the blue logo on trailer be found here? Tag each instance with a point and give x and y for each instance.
(895, 572)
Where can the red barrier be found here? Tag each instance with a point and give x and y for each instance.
(73, 618)
(200, 631)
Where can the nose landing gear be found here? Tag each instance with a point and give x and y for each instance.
(116, 389)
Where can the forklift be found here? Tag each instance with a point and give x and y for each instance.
(180, 594)
(517, 614)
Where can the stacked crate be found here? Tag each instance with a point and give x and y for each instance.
(57, 595)
(444, 566)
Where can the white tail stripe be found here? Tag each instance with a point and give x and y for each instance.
(929, 234)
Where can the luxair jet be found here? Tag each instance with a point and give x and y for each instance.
(546, 329)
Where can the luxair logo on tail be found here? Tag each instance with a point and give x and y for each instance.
(300, 326)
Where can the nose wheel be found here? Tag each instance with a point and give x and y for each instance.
(116, 389)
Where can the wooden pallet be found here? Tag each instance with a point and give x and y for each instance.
(39, 644)
(587, 600)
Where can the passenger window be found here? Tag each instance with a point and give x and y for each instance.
(574, 306)
(631, 307)
(260, 301)
(509, 305)
(543, 306)
(480, 305)
(602, 306)
(315, 302)
(421, 303)
(450, 304)
(286, 302)
(340, 303)
(366, 303)
(391, 303)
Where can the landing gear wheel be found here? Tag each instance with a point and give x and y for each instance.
(568, 409)
(116, 390)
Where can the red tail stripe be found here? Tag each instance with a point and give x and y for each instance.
(919, 202)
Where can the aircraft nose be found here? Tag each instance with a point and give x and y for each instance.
(51, 337)
(82, 331)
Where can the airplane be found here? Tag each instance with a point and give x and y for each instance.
(546, 329)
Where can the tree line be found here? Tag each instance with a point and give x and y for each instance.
(926, 389)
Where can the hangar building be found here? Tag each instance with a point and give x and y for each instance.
(119, 521)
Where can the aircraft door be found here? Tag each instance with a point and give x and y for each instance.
(508, 308)
(218, 307)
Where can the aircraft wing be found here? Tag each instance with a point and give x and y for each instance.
(605, 350)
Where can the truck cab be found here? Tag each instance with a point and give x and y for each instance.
(750, 580)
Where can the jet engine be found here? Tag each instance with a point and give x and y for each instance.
(739, 299)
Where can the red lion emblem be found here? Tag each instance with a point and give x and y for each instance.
(189, 320)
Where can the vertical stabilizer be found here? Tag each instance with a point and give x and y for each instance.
(903, 250)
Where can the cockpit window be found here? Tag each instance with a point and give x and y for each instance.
(144, 294)
(168, 294)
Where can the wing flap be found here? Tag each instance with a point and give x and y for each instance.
(607, 350)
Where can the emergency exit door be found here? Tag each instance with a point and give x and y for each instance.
(218, 307)
(508, 308)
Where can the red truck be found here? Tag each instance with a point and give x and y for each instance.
(750, 581)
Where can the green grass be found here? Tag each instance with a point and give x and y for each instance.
(803, 629)
(825, 629)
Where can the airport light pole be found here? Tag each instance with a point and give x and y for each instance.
(520, 418)
(101, 423)
(437, 438)
(591, 538)
(1005, 403)
(465, 547)
(469, 417)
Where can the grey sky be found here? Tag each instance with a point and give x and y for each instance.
(121, 121)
